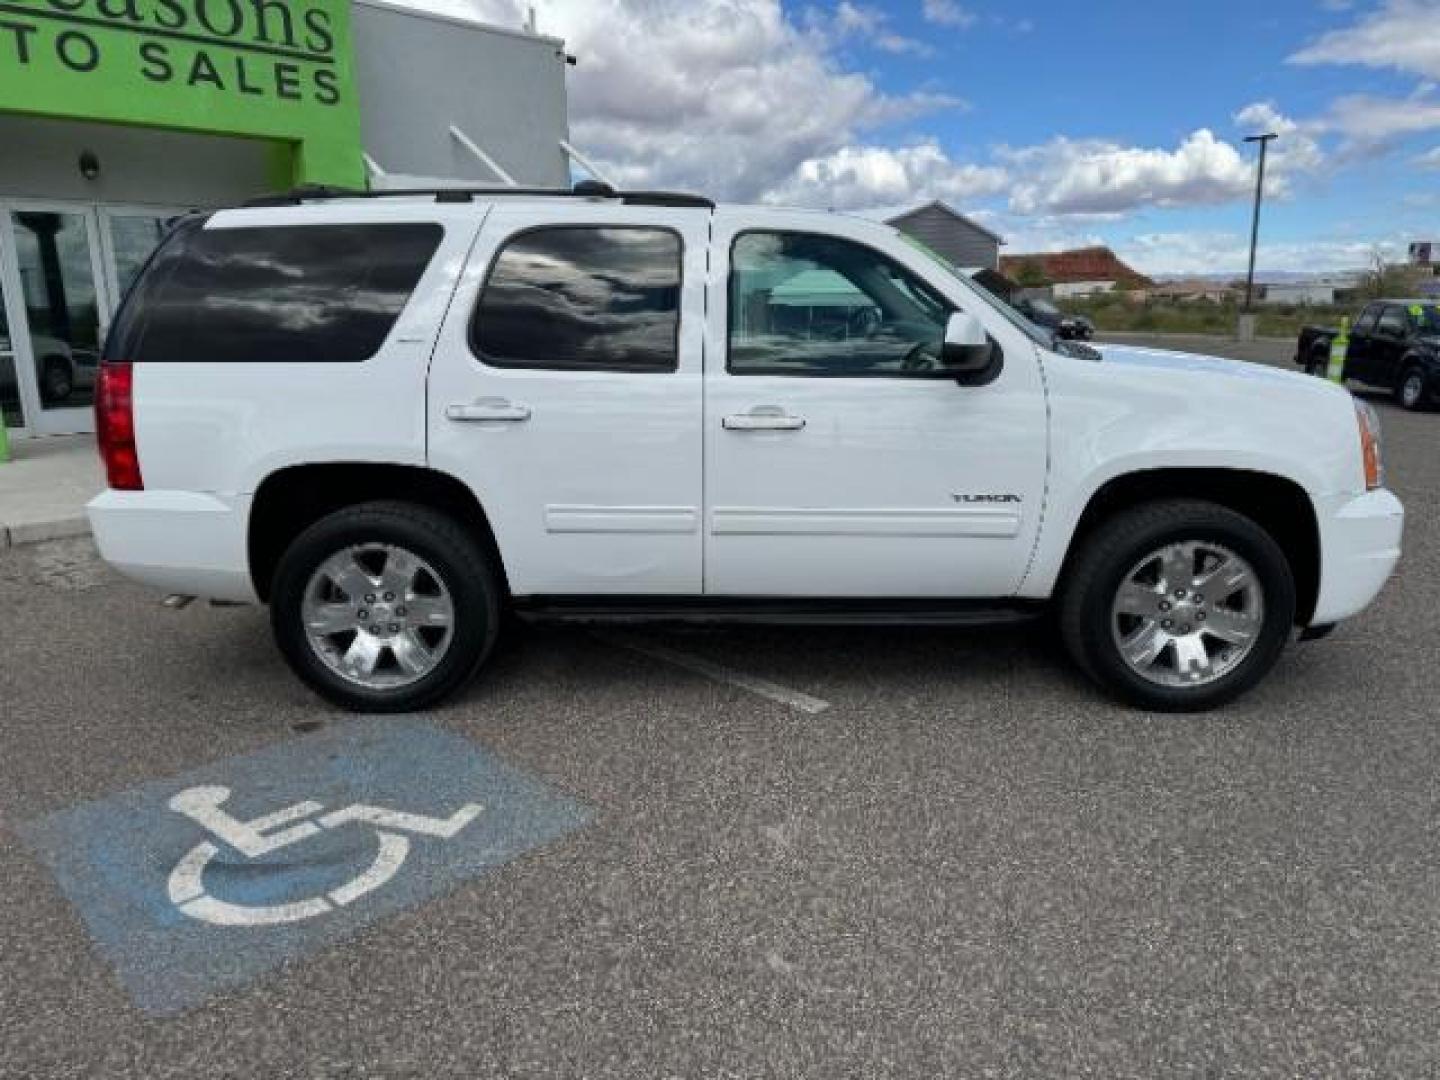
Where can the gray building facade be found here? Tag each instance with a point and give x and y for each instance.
(955, 237)
(431, 84)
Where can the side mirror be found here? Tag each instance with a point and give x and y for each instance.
(968, 355)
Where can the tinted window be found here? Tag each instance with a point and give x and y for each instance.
(1366, 323)
(292, 294)
(803, 304)
(582, 298)
(1392, 322)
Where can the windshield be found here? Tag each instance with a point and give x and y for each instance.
(1038, 334)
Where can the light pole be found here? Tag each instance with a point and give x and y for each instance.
(1264, 141)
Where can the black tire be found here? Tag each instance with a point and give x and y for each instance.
(1108, 554)
(56, 381)
(1403, 389)
(1318, 363)
(459, 561)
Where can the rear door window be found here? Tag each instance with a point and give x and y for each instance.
(274, 294)
(582, 298)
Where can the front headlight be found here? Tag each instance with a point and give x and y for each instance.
(1370, 445)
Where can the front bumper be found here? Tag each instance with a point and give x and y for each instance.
(1359, 547)
(178, 541)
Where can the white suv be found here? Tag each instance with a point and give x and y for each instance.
(397, 417)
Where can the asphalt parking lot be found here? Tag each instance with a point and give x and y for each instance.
(748, 852)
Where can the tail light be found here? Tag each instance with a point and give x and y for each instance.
(115, 426)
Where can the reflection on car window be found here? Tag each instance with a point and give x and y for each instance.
(582, 297)
(289, 294)
(1392, 321)
(805, 304)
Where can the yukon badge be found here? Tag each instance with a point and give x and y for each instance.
(961, 497)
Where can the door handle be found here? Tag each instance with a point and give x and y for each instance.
(763, 419)
(488, 409)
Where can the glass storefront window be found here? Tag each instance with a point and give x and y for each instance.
(133, 239)
(9, 384)
(61, 304)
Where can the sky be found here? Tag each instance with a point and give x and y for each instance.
(1056, 124)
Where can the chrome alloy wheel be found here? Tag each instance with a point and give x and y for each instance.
(378, 615)
(1188, 614)
(1412, 389)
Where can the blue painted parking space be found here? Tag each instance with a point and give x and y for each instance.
(200, 883)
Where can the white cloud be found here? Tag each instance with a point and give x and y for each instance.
(1402, 34)
(1098, 177)
(869, 24)
(727, 97)
(1296, 150)
(948, 13)
(1066, 176)
(1429, 160)
(1367, 120)
(859, 177)
(1227, 252)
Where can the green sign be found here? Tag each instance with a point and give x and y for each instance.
(273, 69)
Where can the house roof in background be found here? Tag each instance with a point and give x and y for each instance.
(1079, 264)
(892, 215)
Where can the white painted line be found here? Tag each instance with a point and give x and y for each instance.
(764, 687)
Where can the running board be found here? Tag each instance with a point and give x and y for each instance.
(775, 611)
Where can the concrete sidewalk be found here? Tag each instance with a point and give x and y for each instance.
(44, 489)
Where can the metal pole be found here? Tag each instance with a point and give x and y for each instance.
(1264, 141)
(484, 158)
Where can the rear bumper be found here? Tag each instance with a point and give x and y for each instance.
(178, 541)
(1360, 545)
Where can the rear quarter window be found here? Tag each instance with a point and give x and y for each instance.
(274, 294)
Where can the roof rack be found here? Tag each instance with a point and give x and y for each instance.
(586, 189)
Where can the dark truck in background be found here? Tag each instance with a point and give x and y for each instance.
(1394, 344)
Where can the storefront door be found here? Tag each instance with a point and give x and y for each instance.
(63, 269)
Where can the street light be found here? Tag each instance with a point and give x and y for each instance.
(1264, 141)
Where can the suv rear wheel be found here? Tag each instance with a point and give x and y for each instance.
(1178, 605)
(385, 607)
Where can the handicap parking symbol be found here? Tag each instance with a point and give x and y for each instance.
(198, 884)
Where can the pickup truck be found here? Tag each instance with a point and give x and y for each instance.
(1395, 344)
(398, 417)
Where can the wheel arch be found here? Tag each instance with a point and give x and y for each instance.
(1276, 503)
(291, 499)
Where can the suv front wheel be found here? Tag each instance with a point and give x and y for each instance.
(385, 607)
(1178, 605)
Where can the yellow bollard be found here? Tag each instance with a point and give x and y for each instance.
(1338, 348)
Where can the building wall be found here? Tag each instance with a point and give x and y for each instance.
(1065, 289)
(1299, 294)
(144, 166)
(956, 240)
(271, 70)
(420, 73)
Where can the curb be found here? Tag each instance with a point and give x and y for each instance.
(36, 532)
